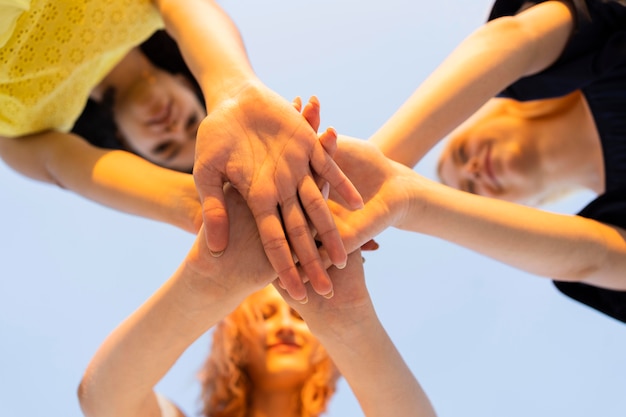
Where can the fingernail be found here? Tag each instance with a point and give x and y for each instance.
(304, 300)
(326, 190)
(216, 254)
(329, 295)
(341, 265)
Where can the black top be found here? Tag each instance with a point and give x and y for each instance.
(594, 61)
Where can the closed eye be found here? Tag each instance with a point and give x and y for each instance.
(468, 186)
(192, 125)
(461, 153)
(162, 148)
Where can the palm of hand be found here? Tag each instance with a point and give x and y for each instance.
(246, 141)
(381, 183)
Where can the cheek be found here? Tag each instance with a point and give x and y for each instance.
(447, 172)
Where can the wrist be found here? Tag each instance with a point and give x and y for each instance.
(238, 83)
(203, 295)
(352, 328)
(412, 195)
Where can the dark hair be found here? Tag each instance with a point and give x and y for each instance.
(96, 123)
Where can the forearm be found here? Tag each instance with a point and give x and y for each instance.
(477, 70)
(120, 378)
(368, 360)
(116, 179)
(211, 45)
(562, 247)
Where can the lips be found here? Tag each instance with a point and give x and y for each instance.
(489, 170)
(289, 346)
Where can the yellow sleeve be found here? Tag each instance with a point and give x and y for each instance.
(10, 11)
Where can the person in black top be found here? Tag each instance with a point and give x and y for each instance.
(559, 122)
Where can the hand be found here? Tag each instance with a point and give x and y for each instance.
(384, 185)
(349, 305)
(267, 151)
(328, 139)
(244, 268)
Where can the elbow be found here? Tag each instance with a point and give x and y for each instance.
(83, 394)
(520, 47)
(87, 398)
(582, 274)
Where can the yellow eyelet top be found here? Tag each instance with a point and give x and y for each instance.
(54, 52)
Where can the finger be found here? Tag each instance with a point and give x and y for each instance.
(215, 218)
(311, 112)
(321, 219)
(328, 140)
(301, 241)
(297, 103)
(214, 213)
(370, 245)
(324, 166)
(276, 245)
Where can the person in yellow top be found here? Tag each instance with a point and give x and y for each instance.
(55, 54)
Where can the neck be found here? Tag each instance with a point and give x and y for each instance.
(275, 403)
(569, 147)
(133, 67)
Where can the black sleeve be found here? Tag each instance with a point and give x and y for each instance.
(597, 47)
(609, 208)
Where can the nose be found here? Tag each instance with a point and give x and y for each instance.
(285, 323)
(471, 169)
(175, 132)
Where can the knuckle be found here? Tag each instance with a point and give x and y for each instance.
(298, 231)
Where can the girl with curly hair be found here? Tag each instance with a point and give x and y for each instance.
(265, 360)
(263, 350)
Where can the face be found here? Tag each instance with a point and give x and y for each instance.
(494, 157)
(158, 117)
(284, 350)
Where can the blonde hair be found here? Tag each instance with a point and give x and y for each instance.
(226, 385)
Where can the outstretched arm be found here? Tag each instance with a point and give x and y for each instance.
(257, 141)
(120, 378)
(562, 247)
(478, 69)
(349, 329)
(117, 179)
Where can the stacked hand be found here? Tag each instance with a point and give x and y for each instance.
(384, 185)
(268, 151)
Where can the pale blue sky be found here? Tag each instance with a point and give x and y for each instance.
(484, 340)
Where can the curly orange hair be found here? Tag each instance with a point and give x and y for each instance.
(226, 385)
